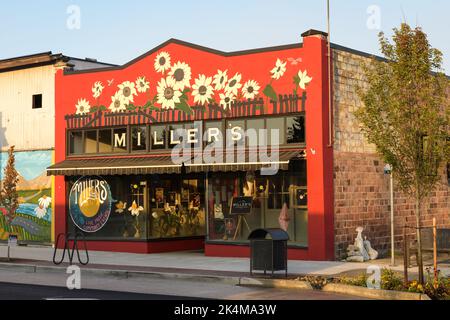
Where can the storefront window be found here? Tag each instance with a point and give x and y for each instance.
(152, 207)
(276, 124)
(120, 141)
(295, 129)
(139, 138)
(175, 135)
(254, 128)
(158, 137)
(105, 141)
(236, 131)
(213, 133)
(274, 204)
(90, 142)
(76, 142)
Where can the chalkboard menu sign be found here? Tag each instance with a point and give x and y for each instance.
(241, 206)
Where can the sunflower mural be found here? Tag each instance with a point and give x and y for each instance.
(178, 84)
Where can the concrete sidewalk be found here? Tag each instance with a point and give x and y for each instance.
(196, 262)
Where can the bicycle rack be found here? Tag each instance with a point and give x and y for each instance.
(71, 251)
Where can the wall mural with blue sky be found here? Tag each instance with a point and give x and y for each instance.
(33, 219)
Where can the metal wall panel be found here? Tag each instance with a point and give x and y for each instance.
(22, 126)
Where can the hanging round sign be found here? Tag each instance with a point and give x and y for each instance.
(90, 202)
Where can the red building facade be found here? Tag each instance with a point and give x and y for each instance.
(118, 128)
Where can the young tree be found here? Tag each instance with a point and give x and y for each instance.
(406, 114)
(9, 195)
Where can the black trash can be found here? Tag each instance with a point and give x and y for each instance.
(268, 250)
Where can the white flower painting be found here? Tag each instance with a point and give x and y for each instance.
(234, 84)
(181, 73)
(304, 79)
(142, 85)
(220, 80)
(162, 62)
(83, 107)
(251, 89)
(128, 90)
(117, 103)
(168, 96)
(135, 209)
(203, 91)
(97, 89)
(279, 70)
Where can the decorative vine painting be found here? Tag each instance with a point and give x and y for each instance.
(177, 84)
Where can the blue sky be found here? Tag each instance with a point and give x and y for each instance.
(30, 165)
(118, 31)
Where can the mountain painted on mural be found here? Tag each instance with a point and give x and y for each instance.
(39, 183)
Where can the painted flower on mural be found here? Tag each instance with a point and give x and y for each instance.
(135, 209)
(220, 79)
(128, 91)
(251, 89)
(45, 201)
(83, 107)
(162, 62)
(279, 70)
(203, 91)
(120, 207)
(40, 212)
(181, 73)
(155, 215)
(167, 95)
(226, 99)
(142, 85)
(234, 84)
(117, 103)
(303, 79)
(3, 211)
(97, 89)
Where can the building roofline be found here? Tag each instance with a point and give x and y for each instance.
(41, 59)
(47, 53)
(190, 45)
(113, 67)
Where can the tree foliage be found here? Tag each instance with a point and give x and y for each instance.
(406, 111)
(406, 114)
(9, 196)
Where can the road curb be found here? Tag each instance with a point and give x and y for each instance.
(230, 280)
(373, 293)
(275, 283)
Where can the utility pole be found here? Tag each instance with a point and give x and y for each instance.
(388, 170)
(330, 91)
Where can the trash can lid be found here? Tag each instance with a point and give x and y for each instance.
(271, 233)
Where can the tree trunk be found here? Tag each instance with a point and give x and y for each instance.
(419, 238)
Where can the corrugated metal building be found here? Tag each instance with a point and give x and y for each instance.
(27, 121)
(27, 98)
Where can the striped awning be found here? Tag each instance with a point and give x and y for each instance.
(242, 161)
(115, 166)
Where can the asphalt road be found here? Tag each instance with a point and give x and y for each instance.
(15, 284)
(14, 291)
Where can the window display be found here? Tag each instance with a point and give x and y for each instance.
(277, 201)
(152, 207)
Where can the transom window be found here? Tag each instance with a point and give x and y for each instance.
(250, 133)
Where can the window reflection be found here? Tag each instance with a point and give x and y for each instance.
(139, 138)
(295, 129)
(275, 204)
(105, 141)
(120, 140)
(76, 142)
(90, 142)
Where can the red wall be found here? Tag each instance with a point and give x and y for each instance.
(253, 66)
